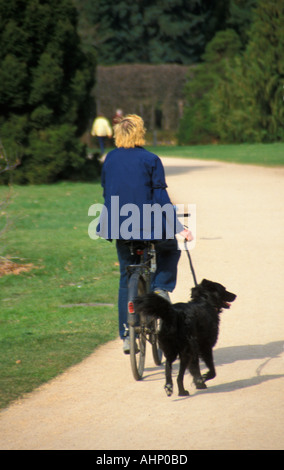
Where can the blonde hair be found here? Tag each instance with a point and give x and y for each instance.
(130, 132)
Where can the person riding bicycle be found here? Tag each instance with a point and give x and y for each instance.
(133, 179)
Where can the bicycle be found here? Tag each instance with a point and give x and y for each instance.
(141, 328)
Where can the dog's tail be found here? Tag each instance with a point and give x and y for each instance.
(154, 306)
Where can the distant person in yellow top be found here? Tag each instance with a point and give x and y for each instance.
(101, 129)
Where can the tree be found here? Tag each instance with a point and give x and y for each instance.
(248, 100)
(198, 124)
(156, 32)
(45, 84)
(240, 17)
(236, 94)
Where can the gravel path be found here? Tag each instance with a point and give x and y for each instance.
(97, 405)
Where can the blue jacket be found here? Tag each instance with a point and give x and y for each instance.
(133, 181)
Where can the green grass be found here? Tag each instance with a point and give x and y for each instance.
(39, 338)
(255, 154)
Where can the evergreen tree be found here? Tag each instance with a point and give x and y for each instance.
(236, 94)
(171, 31)
(45, 83)
(198, 124)
(239, 18)
(248, 100)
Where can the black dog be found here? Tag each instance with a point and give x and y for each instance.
(188, 330)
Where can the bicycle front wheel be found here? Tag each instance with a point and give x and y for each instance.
(137, 338)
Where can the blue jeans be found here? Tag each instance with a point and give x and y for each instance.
(167, 257)
(101, 141)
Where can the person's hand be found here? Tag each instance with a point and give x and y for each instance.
(187, 235)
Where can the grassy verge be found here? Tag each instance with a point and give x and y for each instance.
(255, 154)
(42, 332)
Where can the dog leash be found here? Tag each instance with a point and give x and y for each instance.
(188, 255)
(190, 262)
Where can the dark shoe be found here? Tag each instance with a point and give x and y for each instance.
(126, 346)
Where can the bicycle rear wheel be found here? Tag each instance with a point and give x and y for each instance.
(137, 338)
